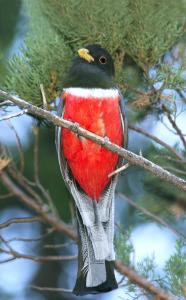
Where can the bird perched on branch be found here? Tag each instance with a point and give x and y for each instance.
(91, 99)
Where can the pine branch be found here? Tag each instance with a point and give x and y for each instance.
(133, 158)
(142, 282)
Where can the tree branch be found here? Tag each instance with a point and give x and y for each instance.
(128, 155)
(61, 226)
(20, 220)
(174, 125)
(142, 282)
(18, 255)
(157, 140)
(13, 115)
(35, 239)
(31, 203)
(153, 216)
(50, 289)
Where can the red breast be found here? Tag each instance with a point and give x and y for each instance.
(90, 163)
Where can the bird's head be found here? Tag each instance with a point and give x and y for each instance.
(97, 57)
(93, 67)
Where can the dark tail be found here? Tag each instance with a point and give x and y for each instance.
(100, 269)
(107, 286)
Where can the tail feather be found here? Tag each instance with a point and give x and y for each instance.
(94, 275)
(108, 285)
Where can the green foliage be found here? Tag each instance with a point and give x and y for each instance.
(143, 29)
(84, 21)
(172, 77)
(43, 59)
(176, 270)
(124, 248)
(174, 277)
(147, 267)
(155, 28)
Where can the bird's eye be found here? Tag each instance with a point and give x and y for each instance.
(103, 60)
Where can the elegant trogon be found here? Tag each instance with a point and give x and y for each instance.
(91, 99)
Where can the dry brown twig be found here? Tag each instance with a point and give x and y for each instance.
(14, 115)
(15, 254)
(4, 162)
(33, 239)
(157, 140)
(19, 146)
(44, 192)
(50, 289)
(153, 216)
(174, 125)
(119, 170)
(45, 104)
(20, 220)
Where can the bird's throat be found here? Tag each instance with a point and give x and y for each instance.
(85, 75)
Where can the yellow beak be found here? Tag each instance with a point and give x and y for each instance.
(84, 53)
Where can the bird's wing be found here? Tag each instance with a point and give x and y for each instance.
(124, 120)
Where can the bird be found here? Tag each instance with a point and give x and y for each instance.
(91, 99)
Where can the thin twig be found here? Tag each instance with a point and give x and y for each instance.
(50, 289)
(30, 202)
(19, 146)
(6, 103)
(152, 216)
(20, 220)
(169, 168)
(174, 125)
(5, 196)
(19, 255)
(45, 104)
(157, 140)
(119, 170)
(36, 153)
(4, 162)
(174, 160)
(3, 261)
(18, 176)
(36, 172)
(36, 239)
(59, 245)
(13, 115)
